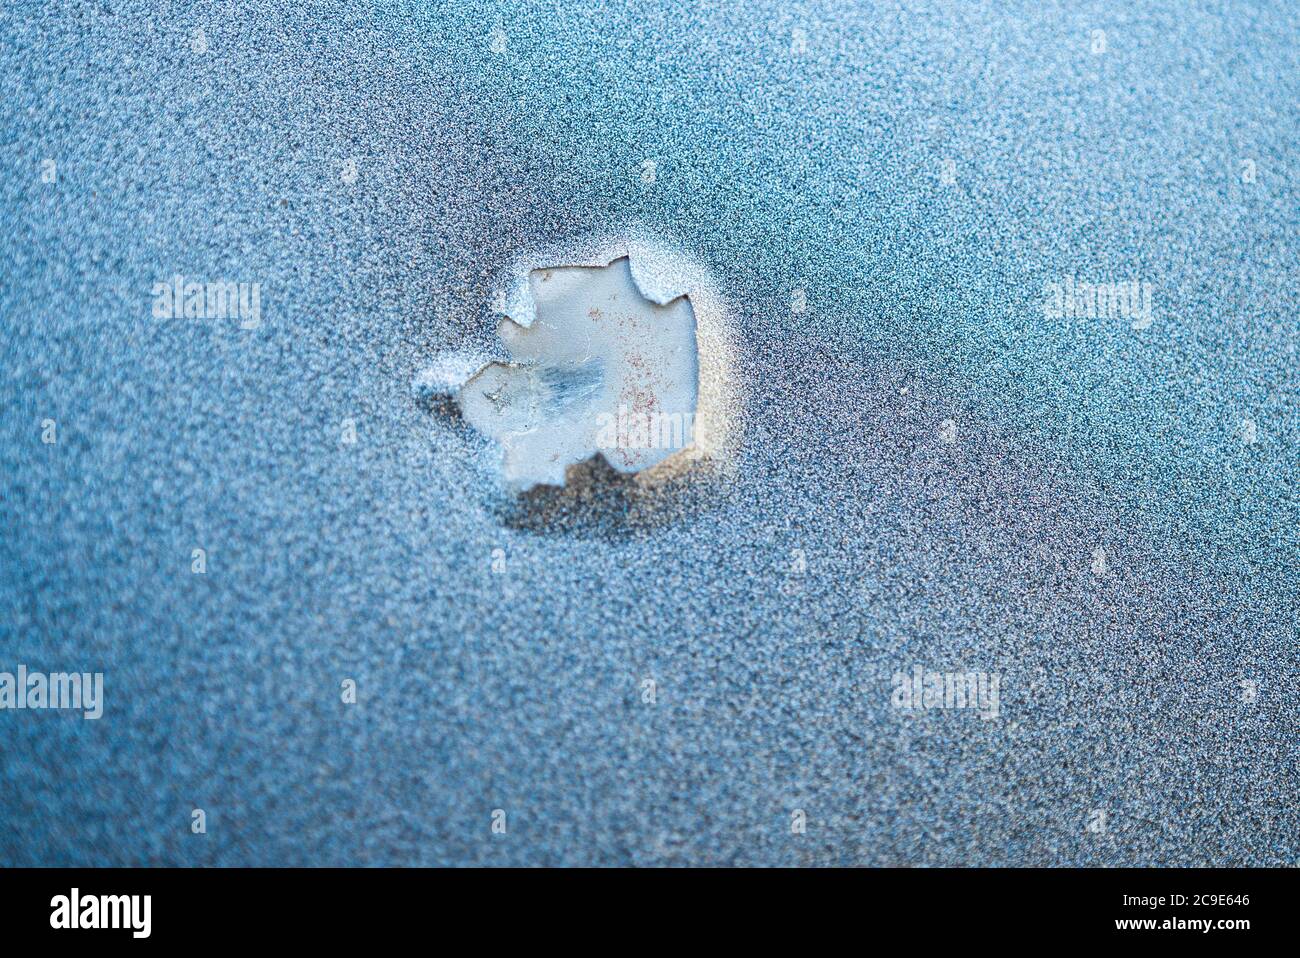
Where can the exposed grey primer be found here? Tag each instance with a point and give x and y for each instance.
(599, 369)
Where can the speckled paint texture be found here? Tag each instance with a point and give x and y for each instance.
(930, 462)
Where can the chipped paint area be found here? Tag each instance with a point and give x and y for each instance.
(595, 367)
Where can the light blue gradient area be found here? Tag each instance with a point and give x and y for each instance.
(781, 168)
